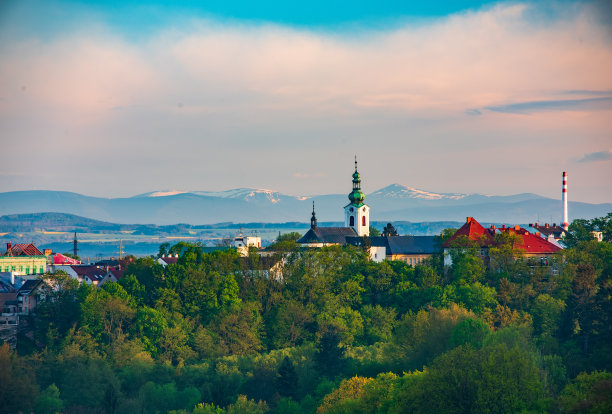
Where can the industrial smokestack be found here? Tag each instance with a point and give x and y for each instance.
(565, 224)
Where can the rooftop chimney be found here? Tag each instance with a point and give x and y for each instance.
(8, 247)
(468, 220)
(546, 225)
(565, 224)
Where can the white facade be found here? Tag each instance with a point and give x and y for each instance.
(378, 253)
(358, 218)
(242, 243)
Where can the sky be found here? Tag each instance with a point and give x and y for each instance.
(114, 99)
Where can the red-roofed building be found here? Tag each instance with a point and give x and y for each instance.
(530, 245)
(60, 259)
(168, 260)
(23, 259)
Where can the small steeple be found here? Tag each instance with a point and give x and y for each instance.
(313, 219)
(356, 196)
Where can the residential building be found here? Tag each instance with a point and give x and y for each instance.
(529, 245)
(24, 259)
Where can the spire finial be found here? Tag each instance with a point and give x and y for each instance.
(355, 162)
(313, 219)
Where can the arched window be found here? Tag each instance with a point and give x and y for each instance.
(352, 221)
(363, 221)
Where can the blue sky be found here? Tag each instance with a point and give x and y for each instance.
(459, 96)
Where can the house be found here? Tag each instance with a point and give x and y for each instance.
(549, 232)
(167, 260)
(29, 296)
(8, 309)
(529, 245)
(89, 274)
(24, 259)
(242, 244)
(412, 250)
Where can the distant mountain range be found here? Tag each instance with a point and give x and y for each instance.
(392, 203)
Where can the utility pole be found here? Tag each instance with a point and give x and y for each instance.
(75, 248)
(120, 249)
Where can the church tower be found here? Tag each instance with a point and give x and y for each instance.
(356, 213)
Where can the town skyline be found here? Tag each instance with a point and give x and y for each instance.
(476, 97)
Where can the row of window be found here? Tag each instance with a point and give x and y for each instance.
(7, 268)
(414, 261)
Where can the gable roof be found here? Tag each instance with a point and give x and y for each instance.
(169, 260)
(29, 286)
(23, 249)
(547, 230)
(530, 243)
(93, 273)
(327, 235)
(472, 230)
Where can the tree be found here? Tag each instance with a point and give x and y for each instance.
(588, 392)
(582, 307)
(245, 406)
(469, 331)
(287, 379)
(374, 232)
(329, 357)
(49, 401)
(349, 389)
(494, 379)
(18, 389)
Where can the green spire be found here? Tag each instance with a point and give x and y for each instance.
(356, 196)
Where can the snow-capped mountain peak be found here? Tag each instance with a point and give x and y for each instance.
(398, 191)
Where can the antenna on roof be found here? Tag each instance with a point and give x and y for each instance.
(120, 249)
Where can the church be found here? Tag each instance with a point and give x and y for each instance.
(390, 246)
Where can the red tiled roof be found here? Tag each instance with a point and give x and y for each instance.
(530, 243)
(473, 230)
(170, 260)
(535, 244)
(24, 250)
(117, 273)
(60, 259)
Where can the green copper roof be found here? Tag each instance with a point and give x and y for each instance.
(356, 196)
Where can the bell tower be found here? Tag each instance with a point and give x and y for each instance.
(356, 213)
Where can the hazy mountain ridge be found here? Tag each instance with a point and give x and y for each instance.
(391, 203)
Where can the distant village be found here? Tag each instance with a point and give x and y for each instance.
(22, 265)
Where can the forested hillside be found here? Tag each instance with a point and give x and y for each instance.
(337, 334)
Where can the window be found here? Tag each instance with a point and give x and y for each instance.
(363, 221)
(352, 221)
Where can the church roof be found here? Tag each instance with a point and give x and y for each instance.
(411, 245)
(397, 245)
(328, 235)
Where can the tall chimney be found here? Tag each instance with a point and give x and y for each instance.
(565, 224)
